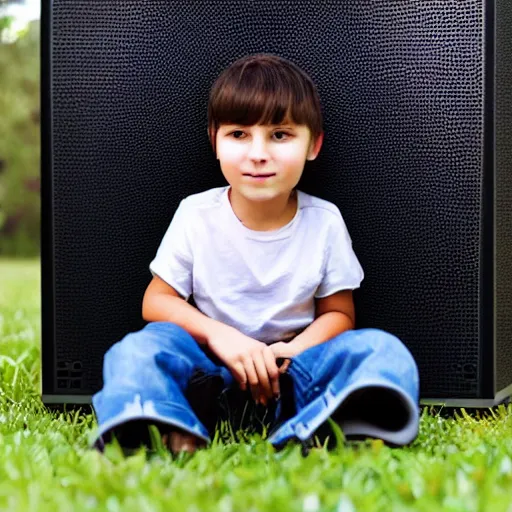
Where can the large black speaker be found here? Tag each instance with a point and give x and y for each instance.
(417, 155)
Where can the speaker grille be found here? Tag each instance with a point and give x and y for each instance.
(401, 85)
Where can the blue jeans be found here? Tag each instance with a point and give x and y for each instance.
(365, 380)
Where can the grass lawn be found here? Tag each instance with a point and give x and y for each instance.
(460, 464)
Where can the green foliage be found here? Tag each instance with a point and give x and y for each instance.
(20, 145)
(5, 21)
(455, 464)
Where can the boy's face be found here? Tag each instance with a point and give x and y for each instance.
(262, 162)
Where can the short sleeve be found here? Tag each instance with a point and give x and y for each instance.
(342, 270)
(173, 260)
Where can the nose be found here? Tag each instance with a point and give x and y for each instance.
(258, 150)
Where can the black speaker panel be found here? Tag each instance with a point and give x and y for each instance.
(417, 109)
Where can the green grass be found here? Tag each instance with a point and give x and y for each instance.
(460, 464)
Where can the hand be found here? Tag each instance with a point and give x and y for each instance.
(283, 350)
(250, 361)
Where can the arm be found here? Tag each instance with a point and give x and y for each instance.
(333, 315)
(162, 303)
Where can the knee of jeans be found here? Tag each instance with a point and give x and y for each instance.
(167, 328)
(170, 337)
(137, 344)
(130, 347)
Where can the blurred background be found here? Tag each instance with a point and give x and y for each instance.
(19, 128)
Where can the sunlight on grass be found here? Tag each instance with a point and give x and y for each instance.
(455, 464)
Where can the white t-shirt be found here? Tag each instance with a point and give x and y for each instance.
(263, 283)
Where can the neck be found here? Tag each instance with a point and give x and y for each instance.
(264, 215)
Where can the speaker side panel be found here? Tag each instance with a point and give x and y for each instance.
(503, 191)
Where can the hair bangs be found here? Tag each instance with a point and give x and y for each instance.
(263, 89)
(253, 100)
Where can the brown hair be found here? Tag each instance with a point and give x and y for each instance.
(263, 89)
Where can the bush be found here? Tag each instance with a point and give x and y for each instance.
(20, 145)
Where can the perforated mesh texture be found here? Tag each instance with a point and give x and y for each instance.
(401, 87)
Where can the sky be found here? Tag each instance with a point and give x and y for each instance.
(23, 13)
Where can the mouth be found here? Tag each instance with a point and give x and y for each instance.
(260, 176)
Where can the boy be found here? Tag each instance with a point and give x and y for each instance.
(271, 270)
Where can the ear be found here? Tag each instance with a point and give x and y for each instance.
(315, 146)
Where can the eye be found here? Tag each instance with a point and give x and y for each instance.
(281, 133)
(235, 133)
